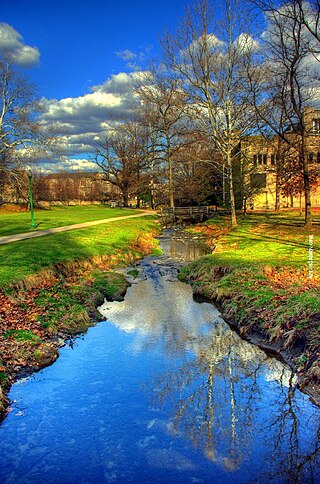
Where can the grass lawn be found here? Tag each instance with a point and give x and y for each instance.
(270, 239)
(276, 240)
(19, 222)
(25, 258)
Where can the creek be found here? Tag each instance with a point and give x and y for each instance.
(162, 391)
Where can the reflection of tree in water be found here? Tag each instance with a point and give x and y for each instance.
(219, 395)
(205, 404)
(216, 400)
(288, 457)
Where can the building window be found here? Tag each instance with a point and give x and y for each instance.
(258, 180)
(311, 157)
(260, 159)
(273, 159)
(265, 159)
(316, 125)
(318, 157)
(255, 160)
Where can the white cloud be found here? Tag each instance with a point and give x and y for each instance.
(134, 60)
(246, 43)
(65, 163)
(83, 121)
(90, 105)
(119, 84)
(12, 43)
(126, 55)
(111, 100)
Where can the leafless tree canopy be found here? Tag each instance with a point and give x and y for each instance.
(23, 137)
(218, 83)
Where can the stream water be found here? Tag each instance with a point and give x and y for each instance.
(161, 391)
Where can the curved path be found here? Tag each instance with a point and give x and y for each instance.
(39, 233)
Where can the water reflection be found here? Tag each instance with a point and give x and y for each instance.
(221, 402)
(181, 246)
(234, 403)
(161, 392)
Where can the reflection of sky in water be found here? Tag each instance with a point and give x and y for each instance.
(182, 248)
(167, 393)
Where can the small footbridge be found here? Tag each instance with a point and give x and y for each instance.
(185, 214)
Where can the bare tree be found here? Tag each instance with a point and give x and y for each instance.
(208, 56)
(310, 16)
(23, 138)
(309, 13)
(122, 156)
(163, 113)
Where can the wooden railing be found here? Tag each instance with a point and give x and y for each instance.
(185, 212)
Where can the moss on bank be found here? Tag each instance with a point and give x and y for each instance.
(260, 276)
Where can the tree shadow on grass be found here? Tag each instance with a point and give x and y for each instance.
(280, 220)
(267, 238)
(27, 257)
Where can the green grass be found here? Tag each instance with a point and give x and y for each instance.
(22, 335)
(25, 258)
(68, 307)
(134, 273)
(60, 308)
(269, 239)
(18, 222)
(259, 272)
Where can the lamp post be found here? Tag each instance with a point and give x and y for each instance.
(33, 225)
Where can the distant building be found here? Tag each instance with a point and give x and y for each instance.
(270, 159)
(64, 187)
(76, 186)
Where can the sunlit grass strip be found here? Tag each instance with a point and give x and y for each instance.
(270, 239)
(19, 222)
(23, 259)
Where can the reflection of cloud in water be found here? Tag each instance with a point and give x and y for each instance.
(168, 459)
(216, 391)
(161, 309)
(156, 309)
(276, 371)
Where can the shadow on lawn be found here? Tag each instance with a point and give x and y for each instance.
(267, 238)
(280, 219)
(28, 257)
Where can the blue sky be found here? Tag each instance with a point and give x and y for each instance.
(82, 56)
(78, 40)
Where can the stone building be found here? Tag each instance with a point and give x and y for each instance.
(273, 164)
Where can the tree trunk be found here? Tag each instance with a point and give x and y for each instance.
(291, 200)
(138, 189)
(152, 193)
(306, 180)
(306, 183)
(244, 206)
(277, 202)
(300, 203)
(125, 198)
(231, 190)
(171, 192)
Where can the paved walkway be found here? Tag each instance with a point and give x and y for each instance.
(39, 233)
